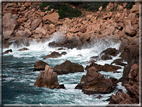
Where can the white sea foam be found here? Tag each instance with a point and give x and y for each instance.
(68, 95)
(119, 86)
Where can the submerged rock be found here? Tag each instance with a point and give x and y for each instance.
(55, 55)
(8, 51)
(68, 67)
(39, 65)
(23, 49)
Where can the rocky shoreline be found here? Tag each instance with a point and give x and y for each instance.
(23, 22)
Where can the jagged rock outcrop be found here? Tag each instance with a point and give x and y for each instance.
(132, 87)
(47, 78)
(94, 83)
(68, 67)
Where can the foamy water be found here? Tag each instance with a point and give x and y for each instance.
(18, 75)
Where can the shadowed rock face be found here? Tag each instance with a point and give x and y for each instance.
(94, 83)
(106, 67)
(105, 55)
(132, 87)
(110, 51)
(68, 67)
(39, 65)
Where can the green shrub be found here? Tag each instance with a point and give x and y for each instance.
(63, 9)
(94, 6)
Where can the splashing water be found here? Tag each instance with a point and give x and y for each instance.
(18, 75)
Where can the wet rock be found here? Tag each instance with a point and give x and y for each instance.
(8, 51)
(131, 52)
(110, 51)
(63, 53)
(62, 86)
(132, 87)
(106, 57)
(118, 62)
(61, 49)
(23, 49)
(99, 96)
(53, 55)
(70, 43)
(120, 98)
(19, 41)
(39, 65)
(106, 67)
(134, 73)
(96, 83)
(68, 67)
(100, 57)
(47, 78)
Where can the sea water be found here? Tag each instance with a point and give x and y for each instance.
(18, 77)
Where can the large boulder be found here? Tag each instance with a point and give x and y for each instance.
(39, 65)
(70, 42)
(68, 67)
(94, 83)
(106, 67)
(47, 78)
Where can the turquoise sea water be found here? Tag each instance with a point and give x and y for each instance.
(18, 76)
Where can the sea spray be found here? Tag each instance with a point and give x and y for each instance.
(18, 75)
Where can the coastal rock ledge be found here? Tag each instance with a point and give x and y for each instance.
(68, 67)
(94, 83)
